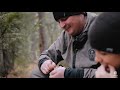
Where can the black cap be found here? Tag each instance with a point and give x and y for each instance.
(58, 15)
(104, 33)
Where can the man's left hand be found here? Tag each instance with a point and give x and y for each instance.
(58, 72)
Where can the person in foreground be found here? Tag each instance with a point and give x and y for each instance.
(104, 37)
(72, 46)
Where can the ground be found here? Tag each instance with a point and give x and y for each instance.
(23, 72)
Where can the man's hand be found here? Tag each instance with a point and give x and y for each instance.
(58, 72)
(47, 66)
(102, 73)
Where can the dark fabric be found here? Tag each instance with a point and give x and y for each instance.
(74, 73)
(58, 15)
(105, 32)
(80, 41)
(95, 66)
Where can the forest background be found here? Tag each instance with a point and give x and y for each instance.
(23, 36)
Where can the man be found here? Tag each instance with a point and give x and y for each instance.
(72, 46)
(104, 37)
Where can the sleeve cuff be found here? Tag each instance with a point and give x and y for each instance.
(74, 73)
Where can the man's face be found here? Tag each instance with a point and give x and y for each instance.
(108, 58)
(73, 24)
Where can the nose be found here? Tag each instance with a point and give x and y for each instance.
(98, 59)
(62, 24)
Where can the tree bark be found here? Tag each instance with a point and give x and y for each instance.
(42, 42)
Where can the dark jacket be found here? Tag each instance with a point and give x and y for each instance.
(76, 51)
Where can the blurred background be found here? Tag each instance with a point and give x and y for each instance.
(23, 36)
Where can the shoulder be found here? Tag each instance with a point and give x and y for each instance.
(91, 17)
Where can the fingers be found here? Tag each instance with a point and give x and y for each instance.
(45, 70)
(51, 66)
(101, 68)
(112, 69)
(58, 72)
(47, 66)
(53, 72)
(102, 73)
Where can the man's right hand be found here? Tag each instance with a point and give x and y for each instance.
(47, 66)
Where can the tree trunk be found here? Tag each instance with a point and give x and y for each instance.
(42, 43)
(3, 70)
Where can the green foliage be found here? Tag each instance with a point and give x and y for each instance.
(16, 29)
